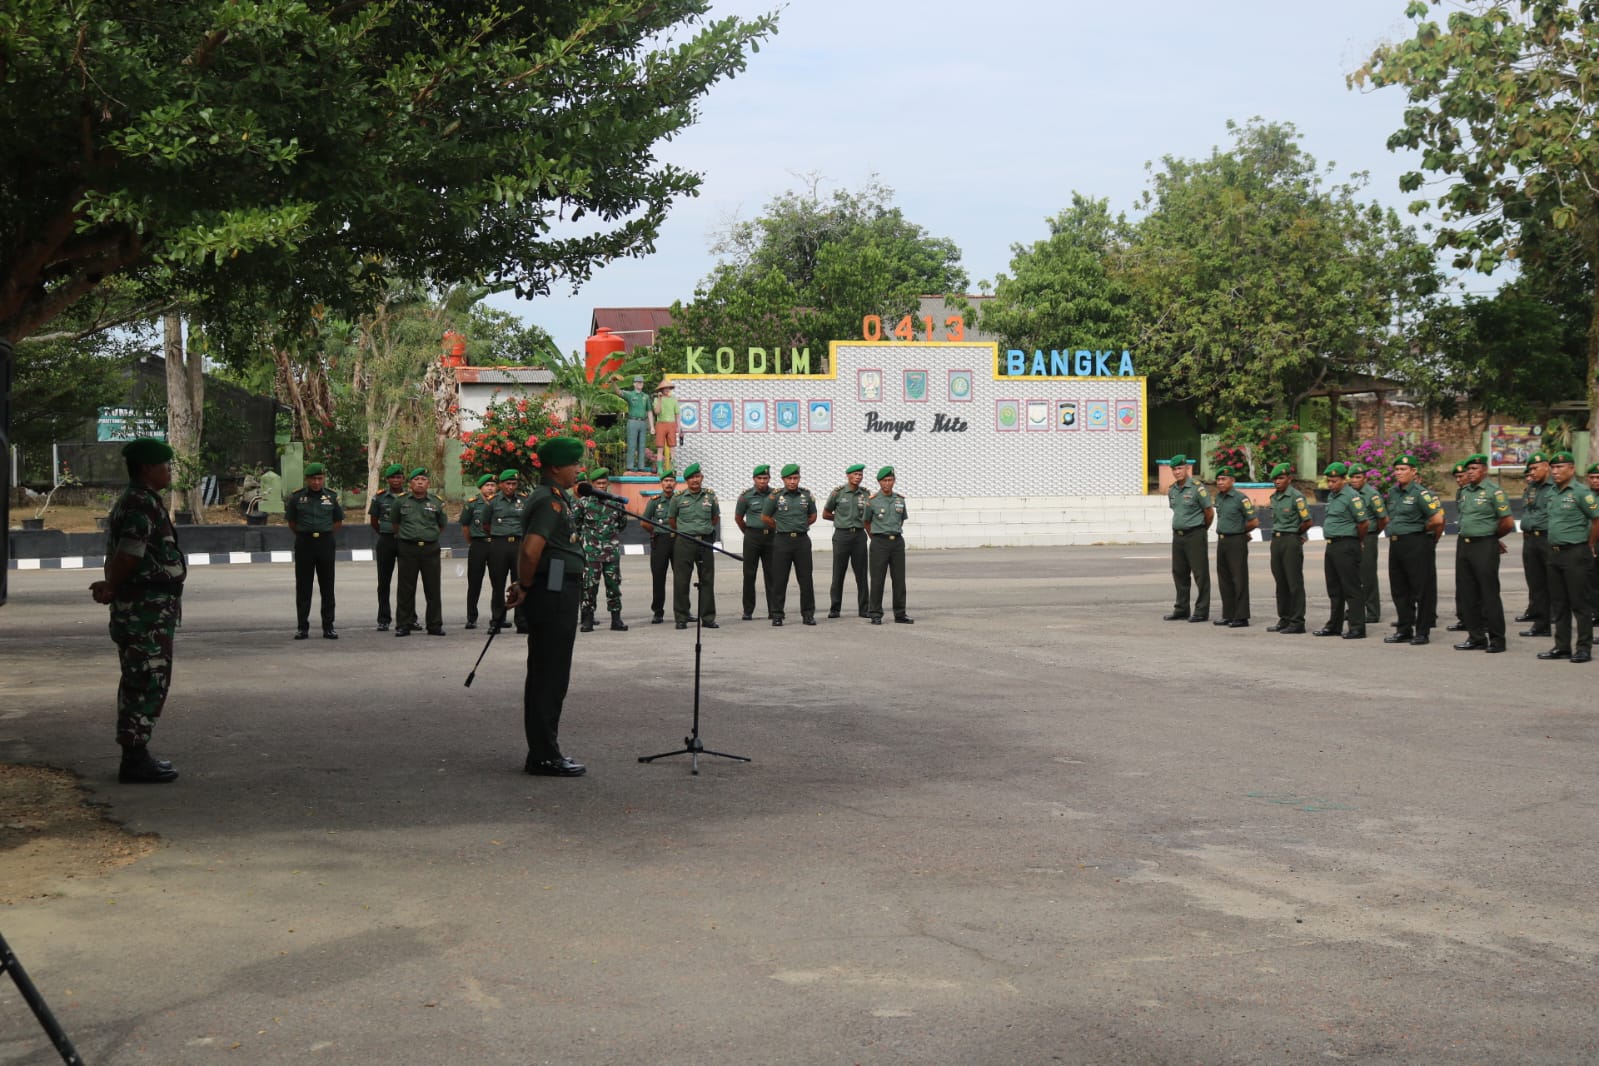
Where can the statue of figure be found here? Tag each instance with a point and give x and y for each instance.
(638, 422)
(665, 427)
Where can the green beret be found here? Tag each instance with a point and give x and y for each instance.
(762, 469)
(1336, 470)
(1479, 458)
(1540, 457)
(1593, 468)
(560, 451)
(420, 471)
(791, 469)
(510, 475)
(858, 468)
(393, 469)
(690, 470)
(1280, 469)
(600, 473)
(1406, 460)
(315, 469)
(887, 471)
(1561, 457)
(1356, 468)
(484, 480)
(1179, 460)
(582, 475)
(669, 475)
(1225, 471)
(1460, 468)
(147, 451)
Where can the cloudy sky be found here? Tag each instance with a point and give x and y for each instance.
(984, 117)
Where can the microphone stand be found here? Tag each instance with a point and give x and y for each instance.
(693, 747)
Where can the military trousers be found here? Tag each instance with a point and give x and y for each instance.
(791, 551)
(418, 560)
(758, 545)
(551, 632)
(1368, 577)
(1477, 587)
(1535, 556)
(689, 559)
(660, 565)
(1232, 575)
(142, 627)
(1341, 568)
(477, 564)
(887, 561)
(505, 551)
(313, 559)
(1413, 580)
(1570, 569)
(605, 563)
(1288, 573)
(384, 553)
(1593, 590)
(638, 432)
(849, 554)
(1190, 566)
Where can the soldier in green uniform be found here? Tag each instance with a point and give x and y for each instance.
(475, 527)
(1377, 521)
(1191, 515)
(1535, 544)
(600, 531)
(789, 514)
(1235, 520)
(638, 423)
(1484, 521)
(143, 585)
(1593, 574)
(1573, 518)
(885, 524)
(846, 509)
(315, 517)
(1290, 518)
(757, 539)
(1346, 526)
(503, 519)
(697, 513)
(1459, 472)
(1415, 522)
(419, 518)
(660, 535)
(547, 593)
(385, 551)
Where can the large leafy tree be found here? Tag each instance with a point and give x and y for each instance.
(1503, 106)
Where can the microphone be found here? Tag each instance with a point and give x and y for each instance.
(585, 488)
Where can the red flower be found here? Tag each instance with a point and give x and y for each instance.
(589, 444)
(533, 441)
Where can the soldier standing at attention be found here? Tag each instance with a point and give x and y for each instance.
(380, 512)
(1415, 522)
(1573, 515)
(638, 424)
(1484, 521)
(314, 514)
(1346, 527)
(1235, 519)
(547, 593)
(696, 513)
(1535, 544)
(503, 519)
(846, 508)
(885, 524)
(419, 518)
(474, 525)
(757, 539)
(660, 535)
(1377, 521)
(143, 584)
(1290, 518)
(601, 535)
(1593, 574)
(789, 514)
(1461, 481)
(1191, 515)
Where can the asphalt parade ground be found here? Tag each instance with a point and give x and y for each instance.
(1040, 825)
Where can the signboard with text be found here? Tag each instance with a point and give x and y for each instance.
(1511, 445)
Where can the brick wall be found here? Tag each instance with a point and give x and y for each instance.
(1458, 435)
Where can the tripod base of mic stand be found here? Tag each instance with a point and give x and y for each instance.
(693, 748)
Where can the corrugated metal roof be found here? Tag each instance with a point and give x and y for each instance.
(503, 375)
(636, 326)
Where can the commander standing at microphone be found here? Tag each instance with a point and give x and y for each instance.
(550, 585)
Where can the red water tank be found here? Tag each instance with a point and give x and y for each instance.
(454, 348)
(603, 351)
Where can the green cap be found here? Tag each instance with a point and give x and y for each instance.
(420, 471)
(1225, 471)
(791, 469)
(1280, 469)
(690, 470)
(510, 475)
(147, 451)
(484, 480)
(762, 469)
(1178, 460)
(1478, 458)
(1459, 468)
(668, 475)
(582, 475)
(600, 473)
(1356, 468)
(886, 471)
(1593, 468)
(315, 470)
(858, 468)
(1406, 460)
(1540, 457)
(560, 451)
(1561, 457)
(392, 469)
(1336, 470)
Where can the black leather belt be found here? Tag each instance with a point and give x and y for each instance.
(1563, 547)
(1185, 532)
(1537, 533)
(1342, 538)
(1232, 534)
(1274, 536)
(799, 534)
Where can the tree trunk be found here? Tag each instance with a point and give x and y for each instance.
(1593, 369)
(185, 414)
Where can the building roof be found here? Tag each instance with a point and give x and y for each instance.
(503, 375)
(636, 326)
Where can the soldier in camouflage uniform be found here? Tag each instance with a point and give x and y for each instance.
(143, 585)
(600, 529)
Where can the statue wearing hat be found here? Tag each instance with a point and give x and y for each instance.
(665, 411)
(638, 422)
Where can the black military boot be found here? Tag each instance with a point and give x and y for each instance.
(588, 621)
(139, 767)
(616, 622)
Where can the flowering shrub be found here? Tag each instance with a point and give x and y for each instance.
(1376, 453)
(1252, 446)
(512, 430)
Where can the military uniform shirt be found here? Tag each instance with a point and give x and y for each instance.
(1410, 507)
(313, 512)
(696, 512)
(1234, 511)
(1345, 511)
(848, 506)
(549, 514)
(750, 507)
(504, 515)
(655, 511)
(382, 508)
(1375, 507)
(791, 510)
(473, 516)
(886, 512)
(1535, 505)
(1289, 510)
(139, 526)
(419, 519)
(1189, 502)
(1571, 512)
(1481, 508)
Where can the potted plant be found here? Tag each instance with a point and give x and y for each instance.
(68, 480)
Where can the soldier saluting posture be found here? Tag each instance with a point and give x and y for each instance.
(846, 509)
(315, 516)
